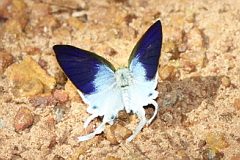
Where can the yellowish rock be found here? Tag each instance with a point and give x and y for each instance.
(30, 78)
(217, 139)
(28, 88)
(117, 133)
(167, 72)
(76, 23)
(226, 82)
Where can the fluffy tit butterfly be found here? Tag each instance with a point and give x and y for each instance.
(107, 90)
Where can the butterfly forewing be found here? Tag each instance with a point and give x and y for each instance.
(147, 51)
(82, 66)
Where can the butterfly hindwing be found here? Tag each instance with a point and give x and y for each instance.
(82, 66)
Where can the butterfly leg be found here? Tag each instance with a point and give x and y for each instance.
(154, 103)
(89, 119)
(141, 116)
(98, 130)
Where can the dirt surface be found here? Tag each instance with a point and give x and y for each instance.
(41, 115)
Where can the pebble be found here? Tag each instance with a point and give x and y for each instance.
(61, 96)
(175, 34)
(6, 59)
(62, 34)
(48, 21)
(12, 26)
(167, 72)
(171, 48)
(217, 140)
(23, 119)
(226, 82)
(76, 23)
(43, 100)
(60, 111)
(195, 57)
(116, 133)
(40, 10)
(212, 154)
(187, 66)
(33, 50)
(110, 51)
(195, 38)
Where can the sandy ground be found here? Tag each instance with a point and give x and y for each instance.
(41, 114)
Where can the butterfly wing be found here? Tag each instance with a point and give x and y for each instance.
(94, 77)
(147, 51)
(143, 65)
(81, 66)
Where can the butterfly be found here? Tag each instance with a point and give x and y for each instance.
(107, 90)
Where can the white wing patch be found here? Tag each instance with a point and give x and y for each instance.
(104, 102)
(124, 89)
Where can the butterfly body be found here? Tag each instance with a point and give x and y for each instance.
(107, 90)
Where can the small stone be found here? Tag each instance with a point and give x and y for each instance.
(116, 133)
(190, 16)
(212, 154)
(62, 34)
(217, 139)
(23, 119)
(226, 82)
(61, 96)
(6, 59)
(237, 104)
(60, 77)
(122, 115)
(167, 72)
(33, 50)
(110, 51)
(18, 13)
(40, 10)
(60, 111)
(129, 18)
(202, 143)
(43, 100)
(175, 34)
(182, 47)
(196, 57)
(187, 66)
(12, 26)
(76, 23)
(171, 48)
(48, 21)
(195, 38)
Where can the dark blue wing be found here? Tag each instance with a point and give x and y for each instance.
(82, 66)
(147, 52)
